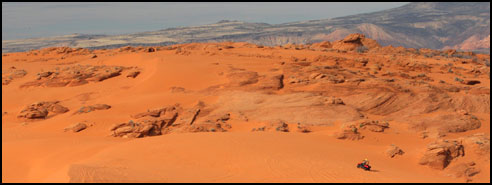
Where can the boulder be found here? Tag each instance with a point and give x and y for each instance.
(394, 150)
(321, 45)
(133, 73)
(349, 132)
(146, 127)
(470, 82)
(354, 41)
(188, 116)
(151, 113)
(440, 153)
(207, 126)
(77, 127)
(40, 110)
(150, 50)
(349, 43)
(40, 113)
(373, 125)
(466, 169)
(336, 79)
(45, 74)
(334, 100)
(101, 106)
(90, 108)
(150, 123)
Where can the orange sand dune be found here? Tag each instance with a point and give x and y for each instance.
(234, 112)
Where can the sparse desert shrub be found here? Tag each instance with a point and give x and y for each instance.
(475, 60)
(458, 79)
(428, 55)
(361, 49)
(460, 55)
(487, 63)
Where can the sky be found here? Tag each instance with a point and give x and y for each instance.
(21, 20)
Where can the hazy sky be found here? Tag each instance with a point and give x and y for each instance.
(32, 19)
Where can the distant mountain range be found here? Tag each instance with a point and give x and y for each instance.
(434, 25)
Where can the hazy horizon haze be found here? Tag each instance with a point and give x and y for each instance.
(22, 20)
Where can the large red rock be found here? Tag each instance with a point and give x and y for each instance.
(466, 170)
(349, 131)
(354, 41)
(440, 153)
(393, 151)
(40, 110)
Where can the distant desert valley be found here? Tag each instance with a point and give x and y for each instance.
(241, 112)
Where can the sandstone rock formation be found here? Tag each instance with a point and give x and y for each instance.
(440, 153)
(133, 73)
(355, 41)
(41, 110)
(75, 75)
(349, 132)
(77, 127)
(218, 92)
(90, 108)
(373, 125)
(12, 73)
(394, 150)
(477, 143)
(242, 78)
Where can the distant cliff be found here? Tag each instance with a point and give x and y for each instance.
(434, 25)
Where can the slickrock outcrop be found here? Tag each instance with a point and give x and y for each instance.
(440, 153)
(149, 123)
(350, 132)
(465, 170)
(477, 143)
(12, 73)
(393, 151)
(90, 108)
(183, 96)
(274, 82)
(355, 41)
(373, 125)
(133, 73)
(41, 110)
(75, 75)
(77, 127)
(242, 78)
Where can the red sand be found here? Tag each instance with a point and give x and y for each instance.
(40, 151)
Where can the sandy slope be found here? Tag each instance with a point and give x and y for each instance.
(40, 151)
